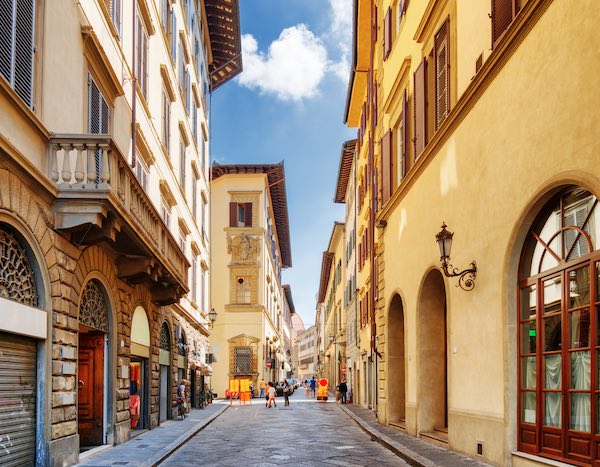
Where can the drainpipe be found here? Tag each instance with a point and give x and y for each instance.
(371, 239)
(133, 89)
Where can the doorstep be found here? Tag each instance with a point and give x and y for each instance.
(414, 451)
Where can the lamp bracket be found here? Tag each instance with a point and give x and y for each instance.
(466, 277)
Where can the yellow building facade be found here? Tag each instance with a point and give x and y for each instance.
(484, 119)
(251, 245)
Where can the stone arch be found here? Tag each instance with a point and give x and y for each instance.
(522, 224)
(432, 380)
(396, 361)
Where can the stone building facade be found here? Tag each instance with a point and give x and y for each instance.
(104, 275)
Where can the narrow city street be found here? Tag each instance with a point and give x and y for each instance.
(305, 433)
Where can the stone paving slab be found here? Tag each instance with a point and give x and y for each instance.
(153, 446)
(413, 450)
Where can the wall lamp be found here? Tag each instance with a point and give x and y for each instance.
(212, 317)
(466, 277)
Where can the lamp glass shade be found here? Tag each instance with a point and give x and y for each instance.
(212, 315)
(444, 241)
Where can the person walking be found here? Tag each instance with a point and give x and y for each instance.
(286, 392)
(271, 392)
(313, 387)
(262, 386)
(343, 391)
(181, 398)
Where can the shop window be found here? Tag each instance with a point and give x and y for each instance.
(559, 342)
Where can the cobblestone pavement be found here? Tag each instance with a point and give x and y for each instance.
(307, 433)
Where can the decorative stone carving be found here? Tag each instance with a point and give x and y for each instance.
(17, 277)
(243, 248)
(93, 309)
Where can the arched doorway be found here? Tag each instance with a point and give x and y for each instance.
(396, 363)
(559, 345)
(432, 397)
(139, 370)
(94, 380)
(164, 361)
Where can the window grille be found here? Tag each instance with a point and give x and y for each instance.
(165, 338)
(17, 276)
(243, 361)
(93, 307)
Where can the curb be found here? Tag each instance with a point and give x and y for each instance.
(397, 448)
(183, 439)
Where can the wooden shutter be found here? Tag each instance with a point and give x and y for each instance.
(233, 211)
(115, 14)
(502, 16)
(17, 46)
(402, 7)
(404, 135)
(442, 74)
(174, 35)
(248, 215)
(386, 167)
(387, 33)
(420, 113)
(375, 25)
(375, 103)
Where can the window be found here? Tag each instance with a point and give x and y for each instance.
(195, 122)
(114, 10)
(182, 240)
(400, 12)
(387, 33)
(243, 360)
(141, 54)
(503, 14)
(182, 165)
(173, 36)
(244, 289)
(165, 16)
(166, 119)
(188, 93)
(141, 172)
(202, 302)
(442, 75)
(559, 350)
(17, 47)
(194, 197)
(98, 121)
(194, 280)
(182, 71)
(165, 212)
(240, 214)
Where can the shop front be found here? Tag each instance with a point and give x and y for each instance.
(164, 361)
(139, 371)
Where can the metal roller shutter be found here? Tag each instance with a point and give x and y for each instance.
(17, 400)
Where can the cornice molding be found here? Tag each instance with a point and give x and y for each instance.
(100, 64)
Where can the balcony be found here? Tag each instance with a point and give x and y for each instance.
(101, 201)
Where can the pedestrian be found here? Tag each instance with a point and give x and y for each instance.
(262, 386)
(305, 387)
(313, 387)
(181, 402)
(343, 391)
(271, 392)
(286, 392)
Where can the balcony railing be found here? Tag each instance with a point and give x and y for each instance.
(100, 199)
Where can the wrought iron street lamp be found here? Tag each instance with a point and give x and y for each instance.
(466, 277)
(212, 317)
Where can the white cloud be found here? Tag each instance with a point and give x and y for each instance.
(341, 33)
(293, 67)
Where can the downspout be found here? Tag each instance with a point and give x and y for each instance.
(371, 239)
(355, 281)
(133, 89)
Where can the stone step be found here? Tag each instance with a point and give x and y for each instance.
(435, 436)
(399, 425)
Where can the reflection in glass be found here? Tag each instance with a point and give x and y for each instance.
(578, 205)
(552, 295)
(528, 337)
(579, 329)
(579, 287)
(528, 409)
(528, 372)
(552, 371)
(552, 333)
(528, 302)
(580, 370)
(581, 411)
(552, 409)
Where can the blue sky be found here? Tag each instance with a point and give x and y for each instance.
(288, 105)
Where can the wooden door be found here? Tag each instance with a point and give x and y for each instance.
(90, 389)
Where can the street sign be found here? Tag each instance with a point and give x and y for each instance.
(343, 370)
(268, 363)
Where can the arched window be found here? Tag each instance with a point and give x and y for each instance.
(182, 346)
(165, 338)
(559, 338)
(93, 306)
(18, 279)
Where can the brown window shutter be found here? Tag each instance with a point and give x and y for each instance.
(375, 25)
(233, 208)
(369, 92)
(404, 135)
(387, 33)
(386, 167)
(502, 16)
(248, 215)
(403, 7)
(375, 103)
(442, 74)
(420, 113)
